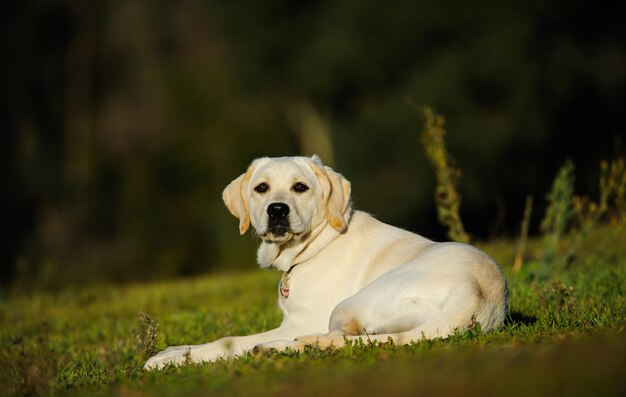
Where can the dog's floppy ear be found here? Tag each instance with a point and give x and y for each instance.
(336, 193)
(235, 199)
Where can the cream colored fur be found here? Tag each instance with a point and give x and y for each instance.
(348, 274)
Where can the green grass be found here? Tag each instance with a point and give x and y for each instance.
(565, 336)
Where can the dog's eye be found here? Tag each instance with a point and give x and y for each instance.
(300, 187)
(261, 188)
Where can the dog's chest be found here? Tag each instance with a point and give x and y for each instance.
(311, 290)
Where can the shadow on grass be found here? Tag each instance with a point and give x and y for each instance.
(517, 318)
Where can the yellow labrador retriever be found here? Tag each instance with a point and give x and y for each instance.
(346, 274)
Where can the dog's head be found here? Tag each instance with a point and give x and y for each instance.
(285, 198)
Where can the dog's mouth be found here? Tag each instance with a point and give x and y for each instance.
(278, 230)
(283, 237)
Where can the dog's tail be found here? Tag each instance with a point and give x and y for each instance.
(493, 295)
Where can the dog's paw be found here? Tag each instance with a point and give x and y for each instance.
(279, 345)
(178, 355)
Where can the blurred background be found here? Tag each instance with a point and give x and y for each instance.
(123, 120)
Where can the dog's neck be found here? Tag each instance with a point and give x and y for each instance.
(284, 256)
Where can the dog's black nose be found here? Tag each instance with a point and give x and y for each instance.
(278, 211)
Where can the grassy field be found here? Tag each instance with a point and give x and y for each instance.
(565, 336)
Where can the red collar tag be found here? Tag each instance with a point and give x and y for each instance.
(283, 287)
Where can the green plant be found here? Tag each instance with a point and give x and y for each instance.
(613, 185)
(559, 211)
(149, 333)
(447, 198)
(587, 213)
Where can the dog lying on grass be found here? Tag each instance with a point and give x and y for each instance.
(347, 275)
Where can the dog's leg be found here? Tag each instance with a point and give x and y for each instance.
(332, 339)
(280, 345)
(337, 339)
(223, 348)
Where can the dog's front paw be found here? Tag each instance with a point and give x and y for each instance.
(178, 355)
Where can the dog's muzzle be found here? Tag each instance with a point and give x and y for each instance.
(278, 219)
